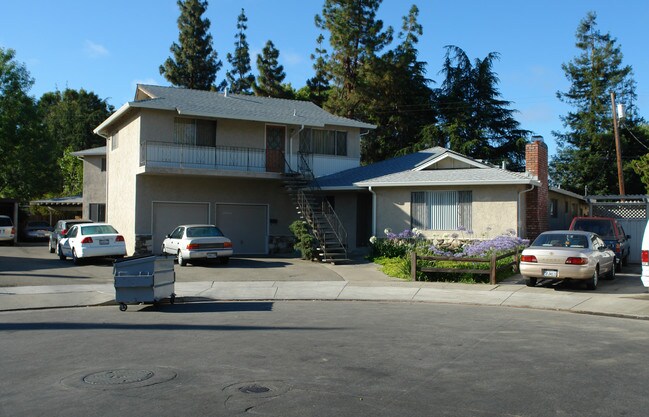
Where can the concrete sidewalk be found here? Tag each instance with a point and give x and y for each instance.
(361, 281)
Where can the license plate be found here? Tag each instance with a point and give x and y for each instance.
(103, 241)
(211, 255)
(552, 273)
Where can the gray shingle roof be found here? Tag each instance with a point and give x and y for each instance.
(400, 171)
(198, 103)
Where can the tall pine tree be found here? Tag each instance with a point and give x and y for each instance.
(240, 79)
(474, 120)
(586, 157)
(356, 37)
(317, 87)
(194, 63)
(271, 74)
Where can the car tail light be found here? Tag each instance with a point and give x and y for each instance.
(528, 258)
(119, 238)
(13, 230)
(576, 261)
(617, 248)
(86, 240)
(192, 246)
(227, 244)
(63, 232)
(644, 255)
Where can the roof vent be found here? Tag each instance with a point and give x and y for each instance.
(226, 92)
(294, 112)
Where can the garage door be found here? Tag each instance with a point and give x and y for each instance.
(246, 225)
(166, 216)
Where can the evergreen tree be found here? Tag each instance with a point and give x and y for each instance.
(194, 63)
(473, 119)
(271, 74)
(401, 105)
(240, 79)
(317, 87)
(68, 118)
(356, 38)
(586, 157)
(25, 155)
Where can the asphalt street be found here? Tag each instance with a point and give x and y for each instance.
(297, 358)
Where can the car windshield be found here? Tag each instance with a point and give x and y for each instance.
(204, 231)
(102, 229)
(561, 240)
(5, 221)
(604, 228)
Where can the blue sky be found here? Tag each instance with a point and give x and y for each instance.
(108, 47)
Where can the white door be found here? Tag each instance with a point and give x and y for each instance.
(167, 216)
(246, 225)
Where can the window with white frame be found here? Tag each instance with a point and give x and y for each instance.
(323, 142)
(441, 210)
(196, 132)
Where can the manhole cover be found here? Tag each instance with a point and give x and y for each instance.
(254, 389)
(118, 376)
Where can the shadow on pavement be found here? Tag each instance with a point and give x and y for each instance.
(190, 305)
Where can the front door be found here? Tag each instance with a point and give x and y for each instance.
(275, 136)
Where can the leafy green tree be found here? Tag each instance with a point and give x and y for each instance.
(586, 157)
(641, 165)
(356, 37)
(401, 104)
(240, 80)
(271, 74)
(194, 63)
(68, 118)
(25, 155)
(474, 120)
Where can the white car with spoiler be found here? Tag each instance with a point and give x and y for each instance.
(197, 242)
(91, 240)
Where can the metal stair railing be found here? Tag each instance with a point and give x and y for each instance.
(327, 209)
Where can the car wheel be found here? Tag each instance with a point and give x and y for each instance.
(591, 284)
(181, 260)
(625, 260)
(224, 260)
(59, 251)
(611, 274)
(531, 282)
(51, 247)
(75, 259)
(164, 251)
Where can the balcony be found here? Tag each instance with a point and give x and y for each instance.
(230, 158)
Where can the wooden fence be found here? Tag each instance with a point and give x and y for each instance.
(492, 261)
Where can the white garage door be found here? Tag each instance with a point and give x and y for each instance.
(166, 216)
(246, 225)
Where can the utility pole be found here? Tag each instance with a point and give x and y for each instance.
(618, 150)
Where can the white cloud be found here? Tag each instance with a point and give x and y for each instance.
(95, 50)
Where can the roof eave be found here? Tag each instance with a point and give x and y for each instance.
(445, 183)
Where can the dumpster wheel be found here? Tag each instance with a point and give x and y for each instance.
(172, 298)
(122, 307)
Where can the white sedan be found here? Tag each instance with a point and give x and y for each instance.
(197, 241)
(91, 240)
(568, 254)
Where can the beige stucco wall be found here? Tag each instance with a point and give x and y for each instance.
(157, 188)
(157, 126)
(94, 183)
(494, 209)
(123, 163)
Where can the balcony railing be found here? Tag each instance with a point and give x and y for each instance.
(232, 158)
(173, 155)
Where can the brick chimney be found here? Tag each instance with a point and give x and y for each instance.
(536, 210)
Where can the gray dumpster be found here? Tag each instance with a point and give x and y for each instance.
(144, 279)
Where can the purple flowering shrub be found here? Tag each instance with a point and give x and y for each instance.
(478, 248)
(395, 245)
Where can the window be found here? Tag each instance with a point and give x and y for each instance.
(103, 165)
(97, 212)
(323, 142)
(441, 210)
(554, 207)
(196, 132)
(114, 141)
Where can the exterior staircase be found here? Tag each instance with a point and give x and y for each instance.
(317, 212)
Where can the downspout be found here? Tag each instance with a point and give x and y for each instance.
(298, 146)
(373, 210)
(519, 220)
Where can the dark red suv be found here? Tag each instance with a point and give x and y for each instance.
(611, 233)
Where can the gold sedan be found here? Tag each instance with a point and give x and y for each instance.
(568, 254)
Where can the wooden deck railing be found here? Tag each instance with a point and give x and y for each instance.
(492, 261)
